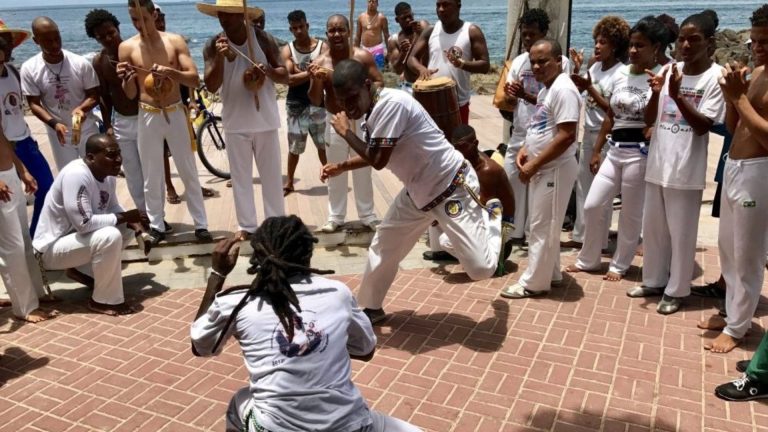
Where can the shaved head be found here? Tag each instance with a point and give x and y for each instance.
(41, 24)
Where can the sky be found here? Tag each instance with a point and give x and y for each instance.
(8, 4)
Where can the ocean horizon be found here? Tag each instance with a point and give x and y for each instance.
(490, 15)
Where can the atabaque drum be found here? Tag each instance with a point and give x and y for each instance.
(438, 96)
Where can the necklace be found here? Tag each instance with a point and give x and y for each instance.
(57, 76)
(370, 21)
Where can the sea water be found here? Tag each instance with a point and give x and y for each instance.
(490, 15)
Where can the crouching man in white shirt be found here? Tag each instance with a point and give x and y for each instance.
(547, 162)
(83, 229)
(297, 331)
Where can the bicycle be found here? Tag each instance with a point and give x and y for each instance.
(211, 147)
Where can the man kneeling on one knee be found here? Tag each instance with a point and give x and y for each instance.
(83, 229)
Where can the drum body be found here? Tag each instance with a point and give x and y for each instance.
(438, 96)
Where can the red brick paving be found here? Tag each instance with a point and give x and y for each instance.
(453, 357)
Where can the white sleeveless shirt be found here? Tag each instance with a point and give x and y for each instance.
(238, 112)
(439, 42)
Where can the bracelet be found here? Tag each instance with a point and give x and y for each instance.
(214, 272)
(52, 122)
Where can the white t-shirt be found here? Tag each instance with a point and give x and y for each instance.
(60, 97)
(631, 94)
(238, 105)
(303, 384)
(520, 70)
(677, 157)
(422, 158)
(439, 42)
(76, 202)
(602, 80)
(14, 126)
(561, 103)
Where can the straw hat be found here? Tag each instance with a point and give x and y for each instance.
(17, 35)
(228, 6)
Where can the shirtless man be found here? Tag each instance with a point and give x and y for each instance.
(743, 214)
(163, 117)
(321, 93)
(493, 184)
(451, 48)
(119, 113)
(399, 46)
(371, 24)
(18, 267)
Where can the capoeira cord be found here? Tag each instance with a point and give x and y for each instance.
(46, 285)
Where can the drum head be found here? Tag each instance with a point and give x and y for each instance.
(434, 84)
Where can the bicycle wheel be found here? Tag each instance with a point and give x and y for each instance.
(211, 147)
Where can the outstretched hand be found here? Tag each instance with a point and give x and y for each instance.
(225, 255)
(582, 83)
(734, 82)
(656, 81)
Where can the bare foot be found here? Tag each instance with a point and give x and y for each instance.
(78, 276)
(49, 298)
(172, 196)
(722, 344)
(242, 235)
(39, 315)
(715, 322)
(612, 277)
(111, 310)
(5, 303)
(573, 269)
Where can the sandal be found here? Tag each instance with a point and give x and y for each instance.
(208, 193)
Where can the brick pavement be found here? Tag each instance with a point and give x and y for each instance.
(453, 357)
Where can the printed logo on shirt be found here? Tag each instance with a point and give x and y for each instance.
(308, 337)
(453, 208)
(537, 124)
(629, 103)
(103, 200)
(12, 104)
(551, 184)
(749, 204)
(82, 195)
(671, 118)
(590, 102)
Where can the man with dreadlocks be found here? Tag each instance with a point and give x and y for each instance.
(298, 351)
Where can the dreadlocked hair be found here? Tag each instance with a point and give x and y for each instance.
(282, 248)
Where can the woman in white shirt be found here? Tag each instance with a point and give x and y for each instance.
(623, 170)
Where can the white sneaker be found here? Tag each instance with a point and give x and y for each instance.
(330, 227)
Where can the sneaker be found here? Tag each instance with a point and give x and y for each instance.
(372, 225)
(644, 291)
(438, 256)
(742, 390)
(203, 235)
(330, 227)
(742, 365)
(168, 227)
(494, 207)
(154, 238)
(711, 290)
(669, 305)
(375, 315)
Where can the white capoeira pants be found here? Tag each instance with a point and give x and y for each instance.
(18, 266)
(670, 227)
(548, 193)
(96, 254)
(362, 184)
(623, 170)
(584, 181)
(153, 129)
(242, 402)
(242, 150)
(64, 154)
(475, 239)
(742, 240)
(519, 189)
(126, 130)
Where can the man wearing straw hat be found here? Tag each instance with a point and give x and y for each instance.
(61, 89)
(18, 267)
(162, 116)
(321, 93)
(14, 126)
(250, 115)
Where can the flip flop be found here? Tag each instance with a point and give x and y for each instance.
(208, 193)
(287, 190)
(173, 199)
